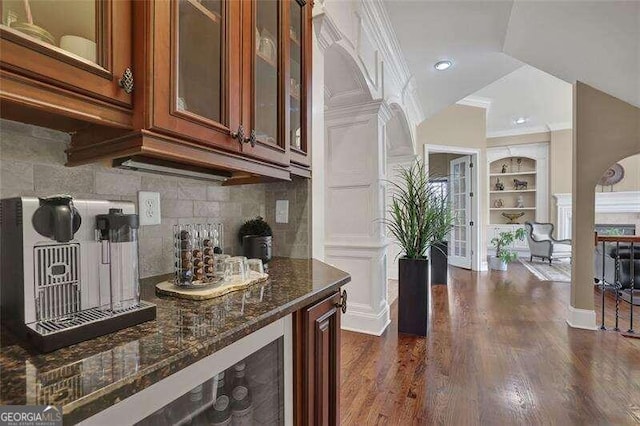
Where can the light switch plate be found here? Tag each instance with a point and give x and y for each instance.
(282, 211)
(149, 208)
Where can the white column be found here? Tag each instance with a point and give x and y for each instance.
(317, 149)
(355, 238)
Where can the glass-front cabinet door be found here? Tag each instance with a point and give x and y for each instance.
(298, 103)
(264, 76)
(196, 70)
(81, 45)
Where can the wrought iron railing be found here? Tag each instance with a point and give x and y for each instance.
(617, 286)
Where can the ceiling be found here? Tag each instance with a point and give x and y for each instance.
(469, 33)
(544, 100)
(595, 42)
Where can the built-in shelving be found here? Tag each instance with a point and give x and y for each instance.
(531, 172)
(522, 168)
(509, 191)
(533, 169)
(501, 209)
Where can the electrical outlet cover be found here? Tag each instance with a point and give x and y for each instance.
(149, 208)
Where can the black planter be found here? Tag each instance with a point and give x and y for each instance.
(439, 263)
(256, 247)
(413, 296)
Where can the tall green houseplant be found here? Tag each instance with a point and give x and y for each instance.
(411, 216)
(412, 221)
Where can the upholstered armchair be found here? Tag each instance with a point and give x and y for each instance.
(543, 245)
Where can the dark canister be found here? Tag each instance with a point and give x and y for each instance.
(256, 247)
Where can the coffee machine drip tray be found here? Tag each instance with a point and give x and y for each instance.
(67, 330)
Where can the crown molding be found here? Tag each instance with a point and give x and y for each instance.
(378, 106)
(550, 127)
(475, 101)
(518, 132)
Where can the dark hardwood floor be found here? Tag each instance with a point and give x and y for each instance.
(499, 352)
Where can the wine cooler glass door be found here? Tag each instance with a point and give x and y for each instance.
(249, 392)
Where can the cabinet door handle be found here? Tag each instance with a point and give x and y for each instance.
(126, 81)
(239, 135)
(252, 138)
(343, 302)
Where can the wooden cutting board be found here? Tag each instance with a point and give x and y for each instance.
(168, 288)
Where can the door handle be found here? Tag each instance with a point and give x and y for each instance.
(126, 81)
(343, 302)
(238, 135)
(252, 138)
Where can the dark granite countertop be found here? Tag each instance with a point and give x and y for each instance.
(93, 375)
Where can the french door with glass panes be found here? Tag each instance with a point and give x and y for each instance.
(460, 198)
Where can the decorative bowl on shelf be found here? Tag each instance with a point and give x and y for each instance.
(513, 217)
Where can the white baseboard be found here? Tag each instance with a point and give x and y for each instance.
(484, 266)
(581, 318)
(366, 322)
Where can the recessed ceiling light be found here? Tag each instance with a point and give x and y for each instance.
(520, 120)
(442, 65)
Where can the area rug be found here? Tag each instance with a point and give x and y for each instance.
(559, 270)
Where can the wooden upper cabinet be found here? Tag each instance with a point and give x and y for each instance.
(195, 70)
(80, 47)
(214, 84)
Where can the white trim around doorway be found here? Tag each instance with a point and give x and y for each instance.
(477, 264)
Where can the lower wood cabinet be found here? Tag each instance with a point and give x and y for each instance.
(317, 362)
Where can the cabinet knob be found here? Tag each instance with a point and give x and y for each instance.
(126, 81)
(239, 135)
(343, 302)
(252, 138)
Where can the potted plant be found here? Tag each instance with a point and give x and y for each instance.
(255, 236)
(411, 221)
(443, 222)
(504, 255)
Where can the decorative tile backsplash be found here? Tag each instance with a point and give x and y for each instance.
(32, 163)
